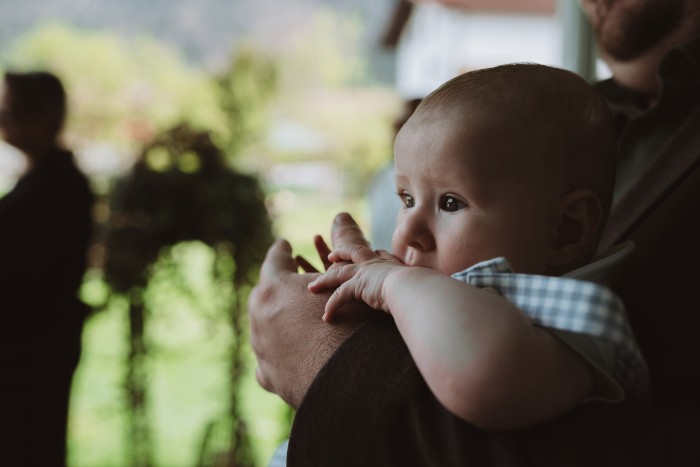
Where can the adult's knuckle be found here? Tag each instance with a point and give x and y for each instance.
(262, 380)
(253, 297)
(265, 294)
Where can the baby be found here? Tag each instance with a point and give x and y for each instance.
(505, 176)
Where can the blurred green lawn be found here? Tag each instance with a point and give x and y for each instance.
(187, 367)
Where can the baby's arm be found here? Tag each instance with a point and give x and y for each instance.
(480, 355)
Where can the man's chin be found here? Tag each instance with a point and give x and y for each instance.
(625, 53)
(627, 35)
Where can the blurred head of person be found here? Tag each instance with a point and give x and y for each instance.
(32, 111)
(627, 29)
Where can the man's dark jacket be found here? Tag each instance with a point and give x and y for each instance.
(45, 225)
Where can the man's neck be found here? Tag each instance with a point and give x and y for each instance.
(37, 152)
(641, 74)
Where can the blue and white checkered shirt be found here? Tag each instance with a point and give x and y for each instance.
(572, 305)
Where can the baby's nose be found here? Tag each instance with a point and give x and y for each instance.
(414, 232)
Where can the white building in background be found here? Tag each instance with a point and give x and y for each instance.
(443, 38)
(439, 42)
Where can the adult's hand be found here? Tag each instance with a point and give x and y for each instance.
(291, 341)
(344, 232)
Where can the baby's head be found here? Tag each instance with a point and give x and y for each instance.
(515, 161)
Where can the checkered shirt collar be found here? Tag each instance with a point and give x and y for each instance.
(569, 304)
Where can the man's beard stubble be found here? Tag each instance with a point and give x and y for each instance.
(627, 31)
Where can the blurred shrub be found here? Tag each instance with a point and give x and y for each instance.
(181, 190)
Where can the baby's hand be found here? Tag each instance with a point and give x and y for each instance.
(360, 275)
(344, 232)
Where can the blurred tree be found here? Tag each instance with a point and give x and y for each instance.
(180, 190)
(359, 120)
(122, 91)
(326, 86)
(245, 91)
(325, 53)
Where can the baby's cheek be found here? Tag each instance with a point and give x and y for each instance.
(453, 263)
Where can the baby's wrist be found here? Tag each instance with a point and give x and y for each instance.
(399, 279)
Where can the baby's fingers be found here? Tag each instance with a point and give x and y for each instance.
(340, 297)
(386, 255)
(355, 253)
(332, 278)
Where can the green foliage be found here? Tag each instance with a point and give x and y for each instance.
(325, 54)
(323, 91)
(359, 120)
(123, 91)
(356, 129)
(93, 66)
(120, 90)
(181, 190)
(245, 90)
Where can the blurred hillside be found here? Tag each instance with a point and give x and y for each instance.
(204, 31)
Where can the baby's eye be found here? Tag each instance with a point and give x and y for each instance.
(407, 200)
(451, 204)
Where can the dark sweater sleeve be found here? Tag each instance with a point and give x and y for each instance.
(370, 406)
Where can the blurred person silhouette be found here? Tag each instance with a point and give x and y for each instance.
(384, 205)
(45, 227)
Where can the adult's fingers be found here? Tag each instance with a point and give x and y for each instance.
(304, 264)
(323, 251)
(345, 231)
(279, 259)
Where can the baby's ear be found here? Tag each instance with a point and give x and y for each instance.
(579, 218)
